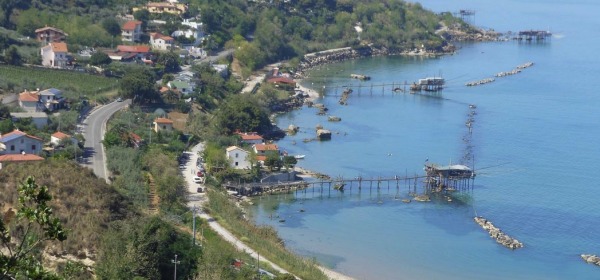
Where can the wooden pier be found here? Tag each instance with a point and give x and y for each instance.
(431, 183)
(533, 35)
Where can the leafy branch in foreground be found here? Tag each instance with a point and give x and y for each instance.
(23, 232)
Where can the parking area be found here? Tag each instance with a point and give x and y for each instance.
(192, 168)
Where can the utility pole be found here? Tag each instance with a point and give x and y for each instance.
(194, 226)
(175, 261)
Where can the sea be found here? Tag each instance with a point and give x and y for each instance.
(534, 144)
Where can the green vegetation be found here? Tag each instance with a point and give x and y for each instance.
(84, 204)
(139, 85)
(18, 79)
(24, 231)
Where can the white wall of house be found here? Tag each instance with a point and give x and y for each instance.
(28, 106)
(238, 158)
(161, 44)
(53, 59)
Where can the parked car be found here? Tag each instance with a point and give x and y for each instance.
(200, 174)
(198, 180)
(119, 99)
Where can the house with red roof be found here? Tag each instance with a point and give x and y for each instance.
(131, 31)
(250, 137)
(161, 42)
(57, 137)
(163, 124)
(50, 34)
(18, 158)
(265, 149)
(29, 101)
(238, 158)
(19, 142)
(55, 55)
(127, 52)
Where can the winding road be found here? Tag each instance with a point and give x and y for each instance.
(93, 129)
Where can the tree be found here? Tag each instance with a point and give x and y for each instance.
(241, 112)
(142, 15)
(12, 56)
(100, 58)
(24, 232)
(289, 161)
(111, 26)
(273, 161)
(8, 6)
(139, 85)
(169, 61)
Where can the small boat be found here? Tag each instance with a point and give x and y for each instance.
(299, 156)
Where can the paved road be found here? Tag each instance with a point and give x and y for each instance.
(215, 58)
(94, 127)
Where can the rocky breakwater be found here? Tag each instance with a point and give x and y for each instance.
(591, 259)
(324, 57)
(497, 234)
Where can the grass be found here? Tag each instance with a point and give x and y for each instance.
(73, 84)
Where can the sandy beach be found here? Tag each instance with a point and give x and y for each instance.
(312, 94)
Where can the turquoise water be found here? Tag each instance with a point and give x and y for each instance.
(535, 142)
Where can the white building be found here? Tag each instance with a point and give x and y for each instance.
(58, 136)
(39, 119)
(161, 42)
(55, 55)
(238, 158)
(195, 31)
(51, 99)
(131, 31)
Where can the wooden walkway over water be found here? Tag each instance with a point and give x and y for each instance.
(406, 183)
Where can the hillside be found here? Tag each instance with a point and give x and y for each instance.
(85, 204)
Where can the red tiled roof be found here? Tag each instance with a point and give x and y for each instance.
(60, 135)
(250, 137)
(135, 137)
(130, 25)
(156, 35)
(20, 158)
(162, 120)
(59, 47)
(49, 28)
(281, 80)
(261, 158)
(133, 49)
(266, 147)
(29, 97)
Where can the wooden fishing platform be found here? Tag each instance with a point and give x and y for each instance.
(432, 182)
(533, 35)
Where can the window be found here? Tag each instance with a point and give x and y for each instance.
(236, 155)
(164, 127)
(12, 147)
(33, 147)
(236, 163)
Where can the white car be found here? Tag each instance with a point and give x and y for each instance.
(198, 180)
